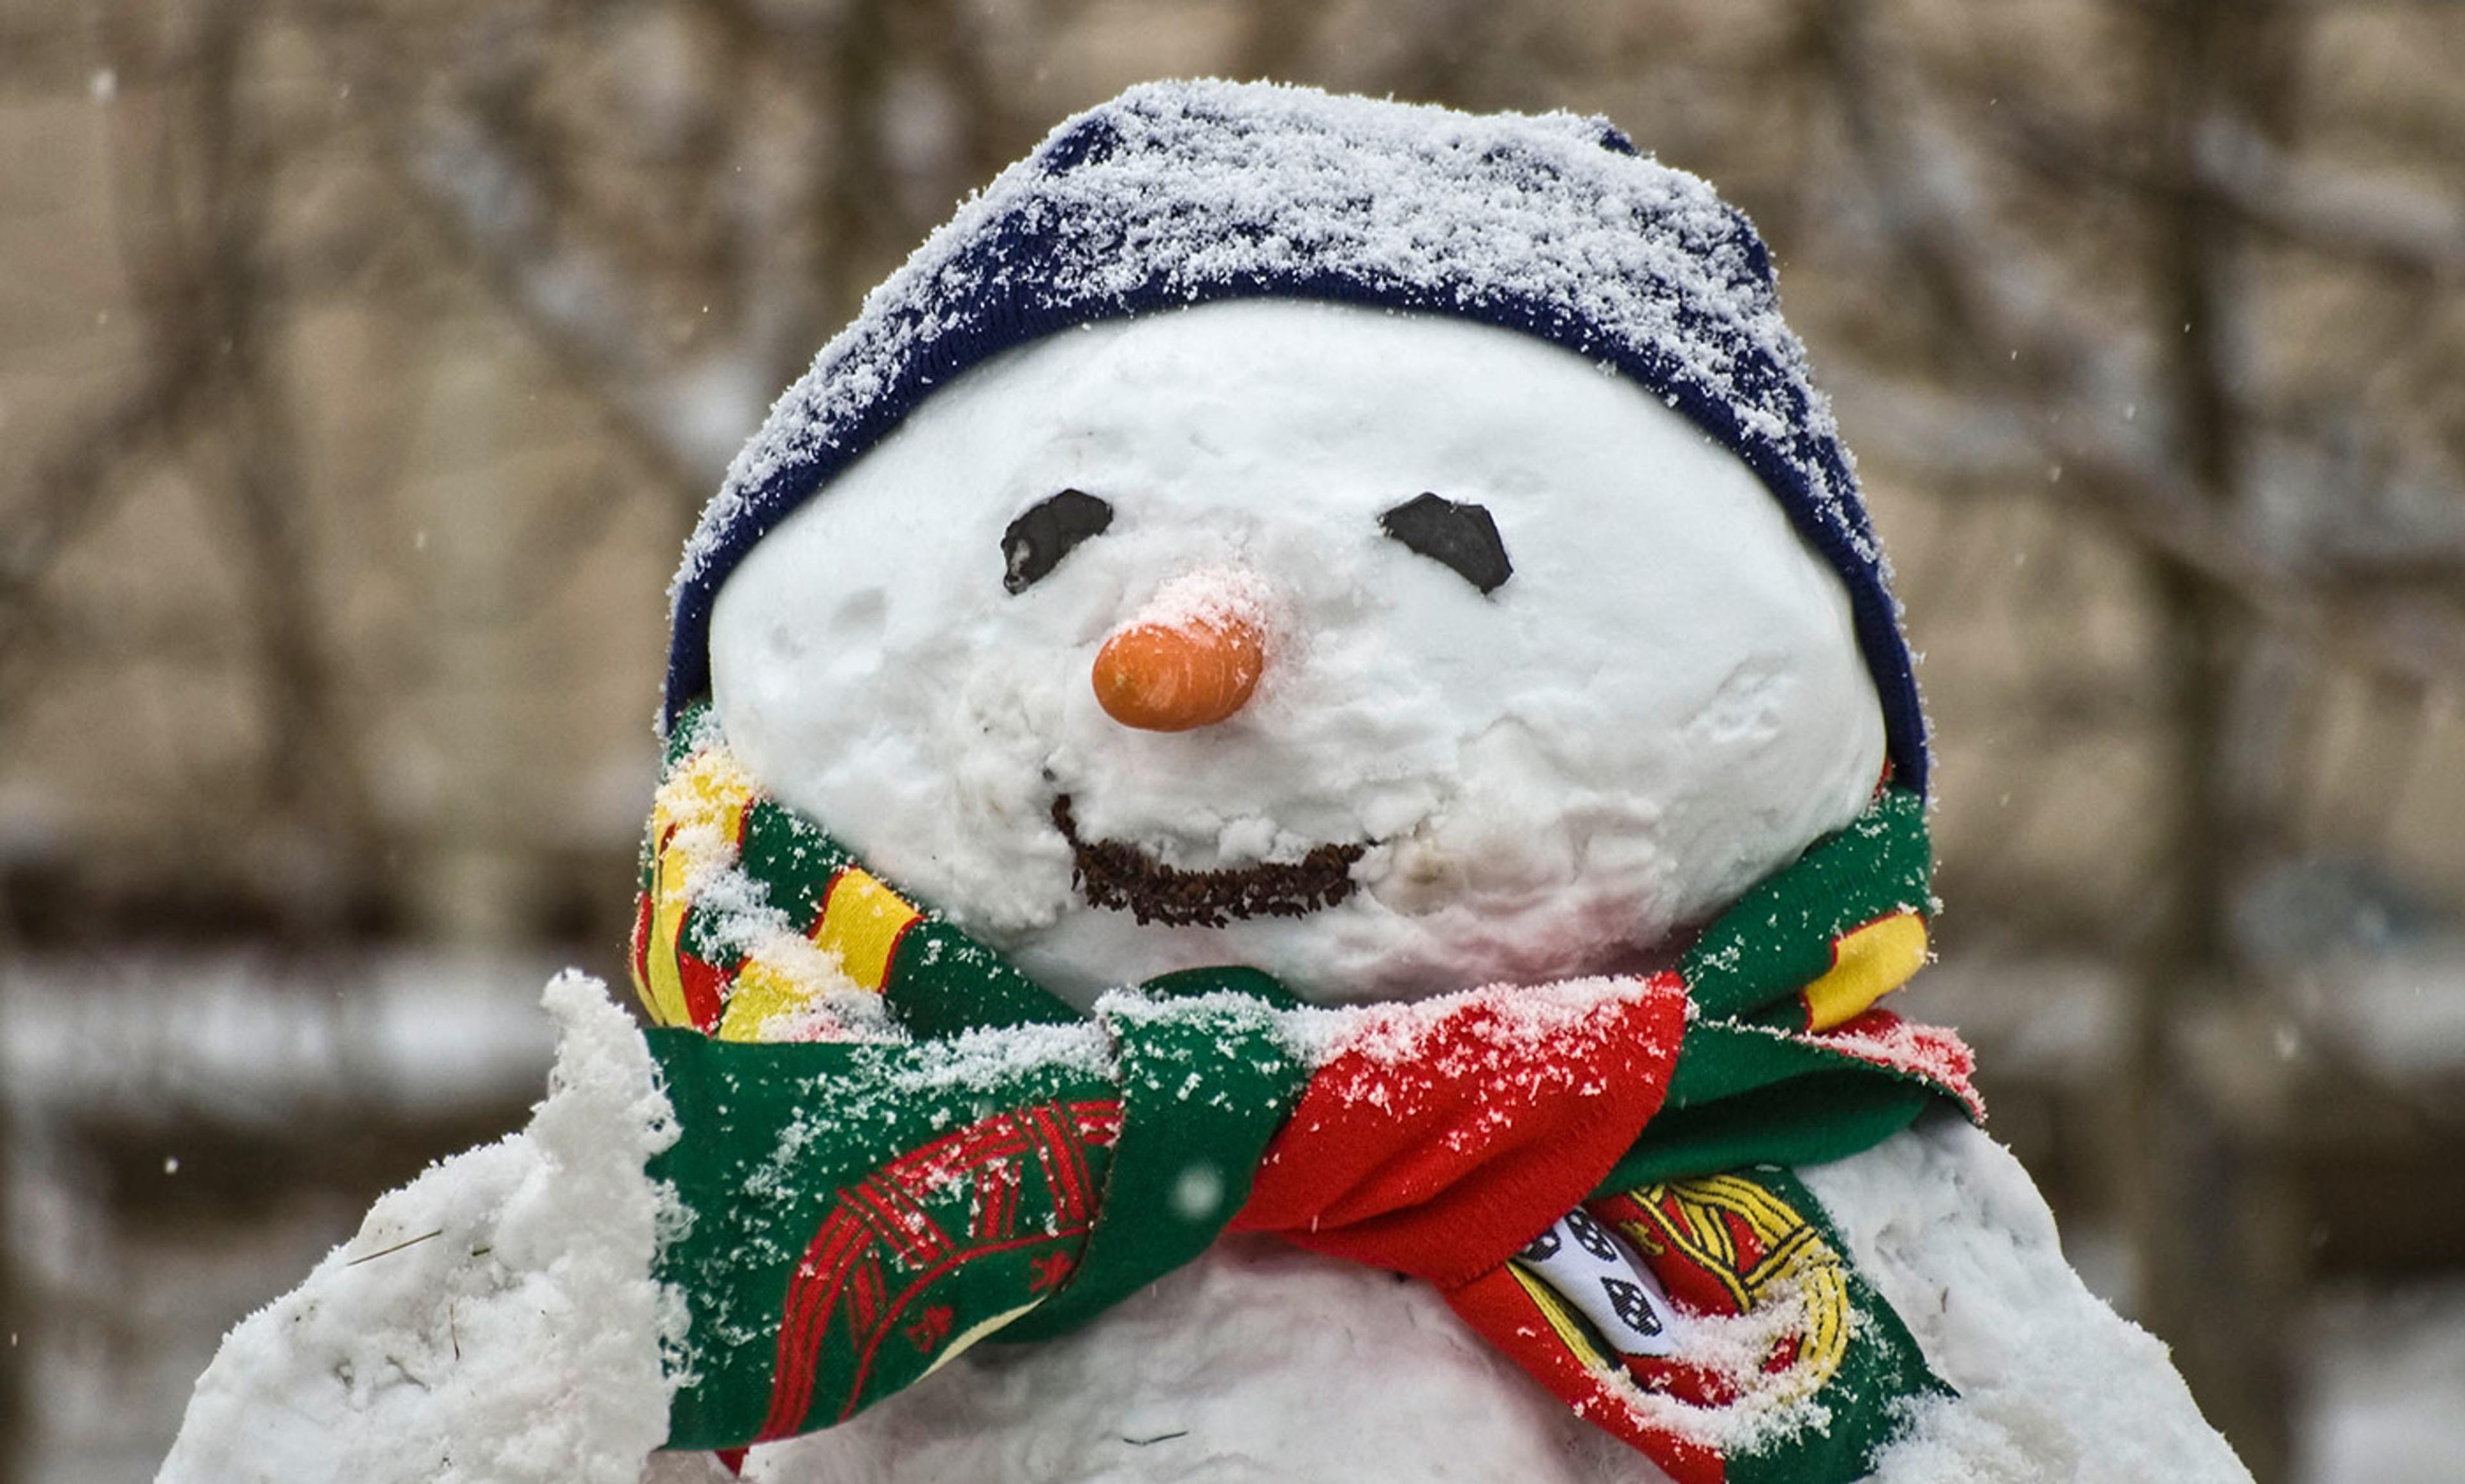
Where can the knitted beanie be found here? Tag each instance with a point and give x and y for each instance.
(1180, 193)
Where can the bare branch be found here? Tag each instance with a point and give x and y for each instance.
(1982, 443)
(486, 198)
(2378, 221)
(79, 485)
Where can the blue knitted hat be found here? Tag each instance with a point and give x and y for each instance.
(1180, 193)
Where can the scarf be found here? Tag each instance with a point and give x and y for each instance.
(893, 1144)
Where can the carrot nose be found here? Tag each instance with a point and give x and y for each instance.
(1178, 672)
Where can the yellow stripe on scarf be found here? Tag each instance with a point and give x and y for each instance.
(1866, 966)
(856, 934)
(695, 820)
(861, 924)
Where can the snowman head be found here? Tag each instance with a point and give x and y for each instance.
(1393, 549)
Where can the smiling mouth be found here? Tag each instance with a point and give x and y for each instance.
(1125, 878)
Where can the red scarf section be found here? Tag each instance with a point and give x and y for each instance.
(1441, 1137)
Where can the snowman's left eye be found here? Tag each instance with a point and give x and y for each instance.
(1046, 531)
(1462, 535)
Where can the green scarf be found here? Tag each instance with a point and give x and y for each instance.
(894, 1144)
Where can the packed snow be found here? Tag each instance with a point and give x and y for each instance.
(493, 1322)
(1663, 704)
(2054, 1384)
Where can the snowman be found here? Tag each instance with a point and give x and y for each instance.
(1292, 786)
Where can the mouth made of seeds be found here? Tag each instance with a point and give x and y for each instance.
(1122, 878)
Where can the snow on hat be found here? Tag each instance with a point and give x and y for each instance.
(1180, 193)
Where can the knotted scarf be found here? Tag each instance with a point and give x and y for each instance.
(894, 1144)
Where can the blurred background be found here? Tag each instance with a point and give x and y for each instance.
(362, 365)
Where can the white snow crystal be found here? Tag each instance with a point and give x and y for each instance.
(493, 1322)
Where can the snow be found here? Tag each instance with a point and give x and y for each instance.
(1547, 778)
(2054, 1384)
(1213, 597)
(987, 1060)
(494, 1321)
(1561, 1015)
(1926, 1051)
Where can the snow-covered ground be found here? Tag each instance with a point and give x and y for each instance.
(121, 1316)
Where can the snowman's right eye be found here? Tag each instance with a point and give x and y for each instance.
(1046, 532)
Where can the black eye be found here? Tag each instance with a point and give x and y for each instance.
(1037, 541)
(1463, 536)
